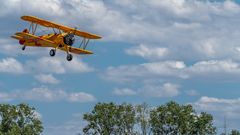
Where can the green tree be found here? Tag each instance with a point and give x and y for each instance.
(109, 119)
(173, 119)
(203, 124)
(235, 132)
(19, 120)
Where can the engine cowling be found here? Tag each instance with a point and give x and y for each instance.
(69, 39)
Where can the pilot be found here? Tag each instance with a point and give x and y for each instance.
(25, 31)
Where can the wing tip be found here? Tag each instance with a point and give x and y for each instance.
(98, 37)
(21, 33)
(18, 33)
(93, 36)
(90, 52)
(24, 17)
(16, 37)
(28, 17)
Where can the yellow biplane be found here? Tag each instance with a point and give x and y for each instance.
(62, 37)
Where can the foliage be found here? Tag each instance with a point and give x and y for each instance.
(169, 119)
(19, 120)
(235, 132)
(204, 124)
(173, 119)
(110, 119)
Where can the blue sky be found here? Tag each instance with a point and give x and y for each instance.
(152, 51)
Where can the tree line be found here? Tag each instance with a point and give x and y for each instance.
(168, 119)
(117, 119)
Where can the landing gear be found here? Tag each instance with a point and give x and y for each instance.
(52, 52)
(23, 48)
(69, 57)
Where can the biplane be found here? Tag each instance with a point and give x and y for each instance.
(62, 38)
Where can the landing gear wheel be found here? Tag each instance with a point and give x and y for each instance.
(23, 48)
(69, 57)
(52, 52)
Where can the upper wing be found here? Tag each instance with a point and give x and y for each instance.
(32, 40)
(79, 51)
(61, 27)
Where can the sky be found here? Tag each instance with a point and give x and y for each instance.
(152, 51)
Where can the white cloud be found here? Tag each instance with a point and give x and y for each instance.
(192, 92)
(177, 7)
(44, 94)
(148, 52)
(195, 31)
(185, 26)
(231, 7)
(5, 97)
(208, 47)
(151, 90)
(184, 31)
(202, 28)
(220, 108)
(212, 100)
(47, 65)
(146, 71)
(216, 66)
(12, 48)
(165, 90)
(218, 69)
(47, 78)
(11, 65)
(225, 70)
(18, 6)
(124, 92)
(149, 78)
(78, 66)
(58, 65)
(81, 97)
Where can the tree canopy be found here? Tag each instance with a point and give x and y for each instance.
(110, 119)
(170, 118)
(19, 120)
(235, 132)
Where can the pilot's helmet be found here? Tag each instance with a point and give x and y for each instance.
(25, 31)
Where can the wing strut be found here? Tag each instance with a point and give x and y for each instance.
(33, 28)
(54, 31)
(84, 43)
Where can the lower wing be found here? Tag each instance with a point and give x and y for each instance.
(79, 51)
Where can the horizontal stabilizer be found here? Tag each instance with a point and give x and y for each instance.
(32, 40)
